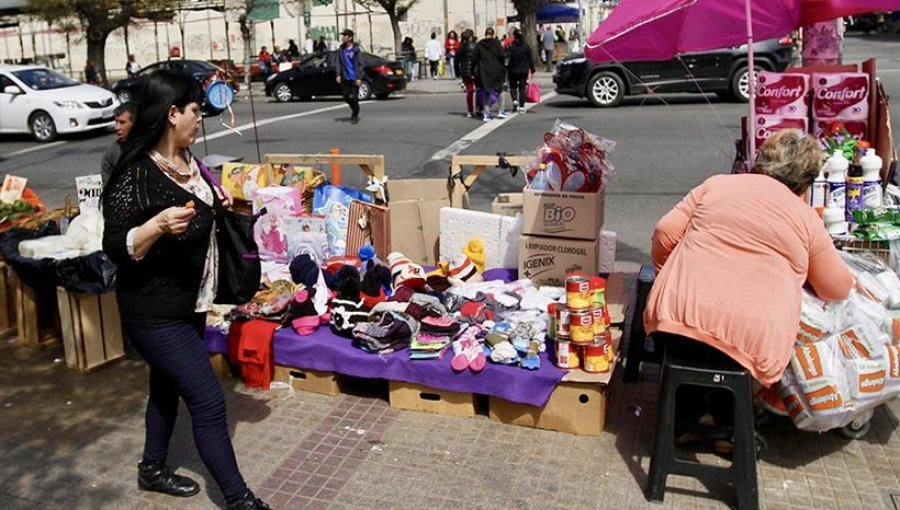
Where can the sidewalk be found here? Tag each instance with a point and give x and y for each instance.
(71, 441)
(450, 86)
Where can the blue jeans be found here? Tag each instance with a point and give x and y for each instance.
(180, 368)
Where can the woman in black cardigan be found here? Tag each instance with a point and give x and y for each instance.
(158, 212)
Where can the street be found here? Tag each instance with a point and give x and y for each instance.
(666, 145)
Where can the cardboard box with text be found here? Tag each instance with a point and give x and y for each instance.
(546, 260)
(507, 204)
(562, 214)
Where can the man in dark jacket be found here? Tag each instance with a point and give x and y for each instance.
(464, 58)
(350, 72)
(520, 67)
(489, 64)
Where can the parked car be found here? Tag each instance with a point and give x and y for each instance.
(199, 69)
(45, 103)
(316, 75)
(722, 71)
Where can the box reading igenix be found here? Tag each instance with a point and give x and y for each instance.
(562, 214)
(546, 260)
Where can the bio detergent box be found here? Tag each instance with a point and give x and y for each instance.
(782, 94)
(843, 96)
(566, 214)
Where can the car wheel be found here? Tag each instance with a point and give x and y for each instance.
(740, 84)
(282, 93)
(606, 89)
(365, 90)
(43, 129)
(124, 96)
(383, 95)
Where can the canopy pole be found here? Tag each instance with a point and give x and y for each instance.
(751, 79)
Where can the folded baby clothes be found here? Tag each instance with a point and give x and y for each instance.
(393, 331)
(345, 314)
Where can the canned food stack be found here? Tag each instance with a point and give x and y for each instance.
(579, 328)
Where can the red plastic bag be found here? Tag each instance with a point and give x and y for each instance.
(533, 93)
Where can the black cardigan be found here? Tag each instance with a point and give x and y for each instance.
(164, 285)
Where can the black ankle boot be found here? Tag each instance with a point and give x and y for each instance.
(248, 501)
(158, 478)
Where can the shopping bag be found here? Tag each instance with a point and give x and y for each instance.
(368, 224)
(243, 179)
(533, 93)
(442, 68)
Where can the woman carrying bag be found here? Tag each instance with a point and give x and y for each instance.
(160, 212)
(520, 66)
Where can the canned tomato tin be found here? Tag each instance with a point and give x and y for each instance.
(581, 326)
(610, 351)
(599, 322)
(595, 359)
(578, 292)
(597, 287)
(562, 321)
(551, 327)
(567, 355)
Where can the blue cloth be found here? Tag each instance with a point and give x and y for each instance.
(180, 368)
(348, 54)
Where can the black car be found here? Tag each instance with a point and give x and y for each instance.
(316, 76)
(722, 71)
(199, 69)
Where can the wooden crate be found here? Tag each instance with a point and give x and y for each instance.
(325, 383)
(37, 315)
(7, 301)
(91, 330)
(220, 365)
(415, 397)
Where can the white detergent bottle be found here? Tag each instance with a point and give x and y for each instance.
(837, 180)
(872, 194)
(818, 192)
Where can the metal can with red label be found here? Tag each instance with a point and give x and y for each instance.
(597, 286)
(567, 355)
(578, 292)
(551, 327)
(581, 326)
(562, 321)
(610, 350)
(599, 322)
(595, 357)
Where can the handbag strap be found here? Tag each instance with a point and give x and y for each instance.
(209, 176)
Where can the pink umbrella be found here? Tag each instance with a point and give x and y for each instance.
(662, 29)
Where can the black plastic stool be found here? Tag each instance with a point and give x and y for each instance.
(742, 472)
(637, 352)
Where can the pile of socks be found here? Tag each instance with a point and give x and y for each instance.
(435, 334)
(468, 350)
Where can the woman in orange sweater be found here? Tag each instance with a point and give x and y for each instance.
(732, 258)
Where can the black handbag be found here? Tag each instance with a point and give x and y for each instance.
(239, 266)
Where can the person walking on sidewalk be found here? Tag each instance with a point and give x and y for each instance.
(451, 47)
(521, 65)
(433, 54)
(350, 72)
(465, 58)
(159, 229)
(490, 66)
(547, 44)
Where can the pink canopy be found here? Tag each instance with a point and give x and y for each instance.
(661, 29)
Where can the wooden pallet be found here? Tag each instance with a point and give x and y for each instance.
(37, 315)
(7, 301)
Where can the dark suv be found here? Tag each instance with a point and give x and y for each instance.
(721, 71)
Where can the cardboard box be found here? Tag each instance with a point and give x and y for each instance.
(415, 206)
(415, 397)
(563, 214)
(314, 381)
(546, 260)
(507, 204)
(575, 408)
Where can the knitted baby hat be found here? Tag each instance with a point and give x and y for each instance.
(463, 271)
(406, 273)
(304, 270)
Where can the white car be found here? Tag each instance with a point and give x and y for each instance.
(43, 102)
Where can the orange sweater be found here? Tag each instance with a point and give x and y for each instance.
(731, 259)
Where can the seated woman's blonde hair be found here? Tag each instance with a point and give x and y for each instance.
(791, 157)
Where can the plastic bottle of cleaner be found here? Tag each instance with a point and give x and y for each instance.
(837, 181)
(871, 166)
(818, 191)
(834, 220)
(854, 190)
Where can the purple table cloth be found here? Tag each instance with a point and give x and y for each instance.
(327, 352)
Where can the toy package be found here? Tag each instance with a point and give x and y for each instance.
(571, 159)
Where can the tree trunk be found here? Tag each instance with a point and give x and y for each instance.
(529, 32)
(247, 38)
(96, 46)
(398, 37)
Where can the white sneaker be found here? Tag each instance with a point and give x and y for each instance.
(521, 109)
(487, 117)
(468, 115)
(501, 114)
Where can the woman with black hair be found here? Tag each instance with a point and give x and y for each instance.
(158, 210)
(520, 66)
